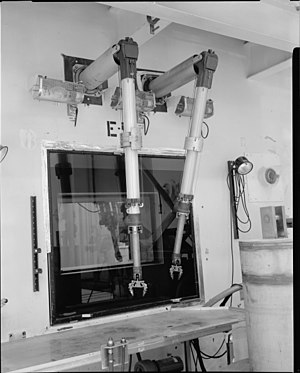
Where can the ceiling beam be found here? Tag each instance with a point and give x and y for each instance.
(264, 61)
(274, 69)
(258, 22)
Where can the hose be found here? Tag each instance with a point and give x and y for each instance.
(224, 294)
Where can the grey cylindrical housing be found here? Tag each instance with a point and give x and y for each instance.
(100, 70)
(174, 78)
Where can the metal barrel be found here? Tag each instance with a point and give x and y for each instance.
(267, 273)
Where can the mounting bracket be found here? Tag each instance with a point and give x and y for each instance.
(71, 67)
(114, 354)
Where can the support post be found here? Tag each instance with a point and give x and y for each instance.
(193, 145)
(187, 356)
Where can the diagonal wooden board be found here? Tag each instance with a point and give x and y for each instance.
(82, 345)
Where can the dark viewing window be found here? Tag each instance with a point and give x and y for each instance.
(90, 261)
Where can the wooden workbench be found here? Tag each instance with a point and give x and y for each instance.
(81, 346)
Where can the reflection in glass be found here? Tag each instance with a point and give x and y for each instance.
(93, 232)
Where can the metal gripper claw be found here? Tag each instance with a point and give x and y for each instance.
(137, 284)
(176, 268)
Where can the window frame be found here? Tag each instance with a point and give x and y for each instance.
(70, 146)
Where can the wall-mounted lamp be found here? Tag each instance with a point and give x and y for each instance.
(242, 166)
(236, 184)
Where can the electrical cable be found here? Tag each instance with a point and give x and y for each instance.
(227, 180)
(240, 187)
(195, 360)
(94, 212)
(139, 357)
(231, 250)
(207, 131)
(76, 116)
(5, 152)
(231, 240)
(240, 199)
(145, 118)
(238, 287)
(195, 343)
(130, 363)
(207, 356)
(214, 356)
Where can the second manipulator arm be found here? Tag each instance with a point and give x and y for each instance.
(204, 69)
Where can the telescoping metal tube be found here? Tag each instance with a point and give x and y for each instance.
(132, 177)
(131, 141)
(193, 145)
(130, 126)
(175, 78)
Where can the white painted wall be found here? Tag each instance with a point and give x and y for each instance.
(247, 113)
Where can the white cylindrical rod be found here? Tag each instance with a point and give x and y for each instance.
(132, 170)
(132, 174)
(135, 245)
(131, 155)
(192, 156)
(179, 234)
(100, 70)
(174, 78)
(191, 161)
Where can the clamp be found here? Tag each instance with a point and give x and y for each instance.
(184, 204)
(136, 284)
(131, 139)
(176, 266)
(114, 354)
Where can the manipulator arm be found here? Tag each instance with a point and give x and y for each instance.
(204, 69)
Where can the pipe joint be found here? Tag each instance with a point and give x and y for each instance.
(193, 143)
(126, 57)
(135, 229)
(132, 201)
(183, 205)
(205, 68)
(133, 219)
(183, 208)
(186, 198)
(133, 204)
(176, 258)
(132, 139)
(137, 272)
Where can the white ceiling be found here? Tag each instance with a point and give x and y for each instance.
(271, 28)
(273, 23)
